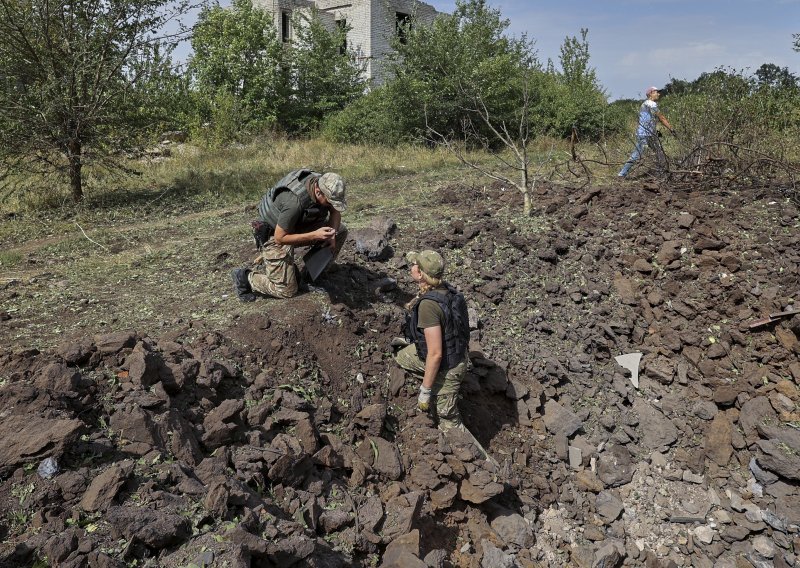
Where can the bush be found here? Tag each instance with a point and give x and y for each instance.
(729, 107)
(562, 105)
(369, 120)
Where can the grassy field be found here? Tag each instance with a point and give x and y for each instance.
(155, 251)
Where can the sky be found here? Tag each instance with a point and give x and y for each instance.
(637, 43)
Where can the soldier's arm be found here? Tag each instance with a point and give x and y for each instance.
(433, 339)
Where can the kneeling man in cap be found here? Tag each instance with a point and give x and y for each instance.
(302, 209)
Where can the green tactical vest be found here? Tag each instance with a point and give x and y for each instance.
(295, 182)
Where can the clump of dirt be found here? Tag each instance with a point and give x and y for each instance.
(290, 438)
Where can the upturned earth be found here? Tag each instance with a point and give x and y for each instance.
(198, 431)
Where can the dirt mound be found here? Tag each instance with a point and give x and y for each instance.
(291, 439)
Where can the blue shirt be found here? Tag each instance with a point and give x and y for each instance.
(647, 118)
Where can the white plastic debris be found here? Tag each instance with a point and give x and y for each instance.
(48, 468)
(630, 361)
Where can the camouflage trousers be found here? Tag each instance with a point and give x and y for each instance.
(279, 275)
(444, 391)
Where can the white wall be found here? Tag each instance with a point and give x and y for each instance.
(384, 27)
(373, 24)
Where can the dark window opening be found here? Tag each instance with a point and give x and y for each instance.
(403, 22)
(286, 26)
(342, 27)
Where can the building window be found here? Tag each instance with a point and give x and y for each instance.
(341, 25)
(286, 26)
(403, 22)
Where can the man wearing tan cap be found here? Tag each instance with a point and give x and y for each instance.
(304, 208)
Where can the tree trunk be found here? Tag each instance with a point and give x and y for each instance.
(526, 188)
(526, 203)
(75, 165)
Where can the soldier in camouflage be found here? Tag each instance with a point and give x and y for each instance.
(304, 208)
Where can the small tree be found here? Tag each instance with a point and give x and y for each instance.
(158, 94)
(772, 76)
(438, 72)
(237, 67)
(512, 165)
(323, 77)
(571, 97)
(67, 72)
(510, 101)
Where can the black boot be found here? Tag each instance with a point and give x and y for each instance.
(242, 285)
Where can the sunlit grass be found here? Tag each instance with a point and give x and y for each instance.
(9, 259)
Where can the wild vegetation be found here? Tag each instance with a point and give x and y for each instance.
(77, 117)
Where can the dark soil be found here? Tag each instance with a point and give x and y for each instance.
(282, 434)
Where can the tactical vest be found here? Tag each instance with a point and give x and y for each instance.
(455, 332)
(296, 183)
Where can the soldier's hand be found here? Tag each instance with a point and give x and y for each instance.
(324, 233)
(424, 399)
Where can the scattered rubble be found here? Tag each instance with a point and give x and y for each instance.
(298, 443)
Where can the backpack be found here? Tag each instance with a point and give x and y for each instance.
(456, 331)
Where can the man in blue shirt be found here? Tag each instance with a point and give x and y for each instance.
(646, 132)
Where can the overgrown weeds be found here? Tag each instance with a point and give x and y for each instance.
(194, 178)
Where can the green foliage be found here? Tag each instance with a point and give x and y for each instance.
(158, 94)
(748, 123)
(771, 76)
(372, 119)
(323, 77)
(729, 106)
(573, 96)
(574, 59)
(246, 81)
(445, 71)
(237, 70)
(445, 76)
(71, 73)
(228, 118)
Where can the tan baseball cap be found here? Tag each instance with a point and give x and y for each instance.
(332, 186)
(429, 261)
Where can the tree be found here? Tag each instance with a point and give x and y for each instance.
(439, 69)
(574, 59)
(68, 78)
(323, 77)
(676, 87)
(537, 102)
(159, 95)
(572, 98)
(480, 88)
(511, 133)
(772, 76)
(238, 61)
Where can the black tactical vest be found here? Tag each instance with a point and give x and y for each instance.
(456, 328)
(296, 183)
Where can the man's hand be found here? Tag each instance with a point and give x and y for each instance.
(424, 399)
(324, 234)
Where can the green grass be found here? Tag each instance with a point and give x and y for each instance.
(9, 259)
